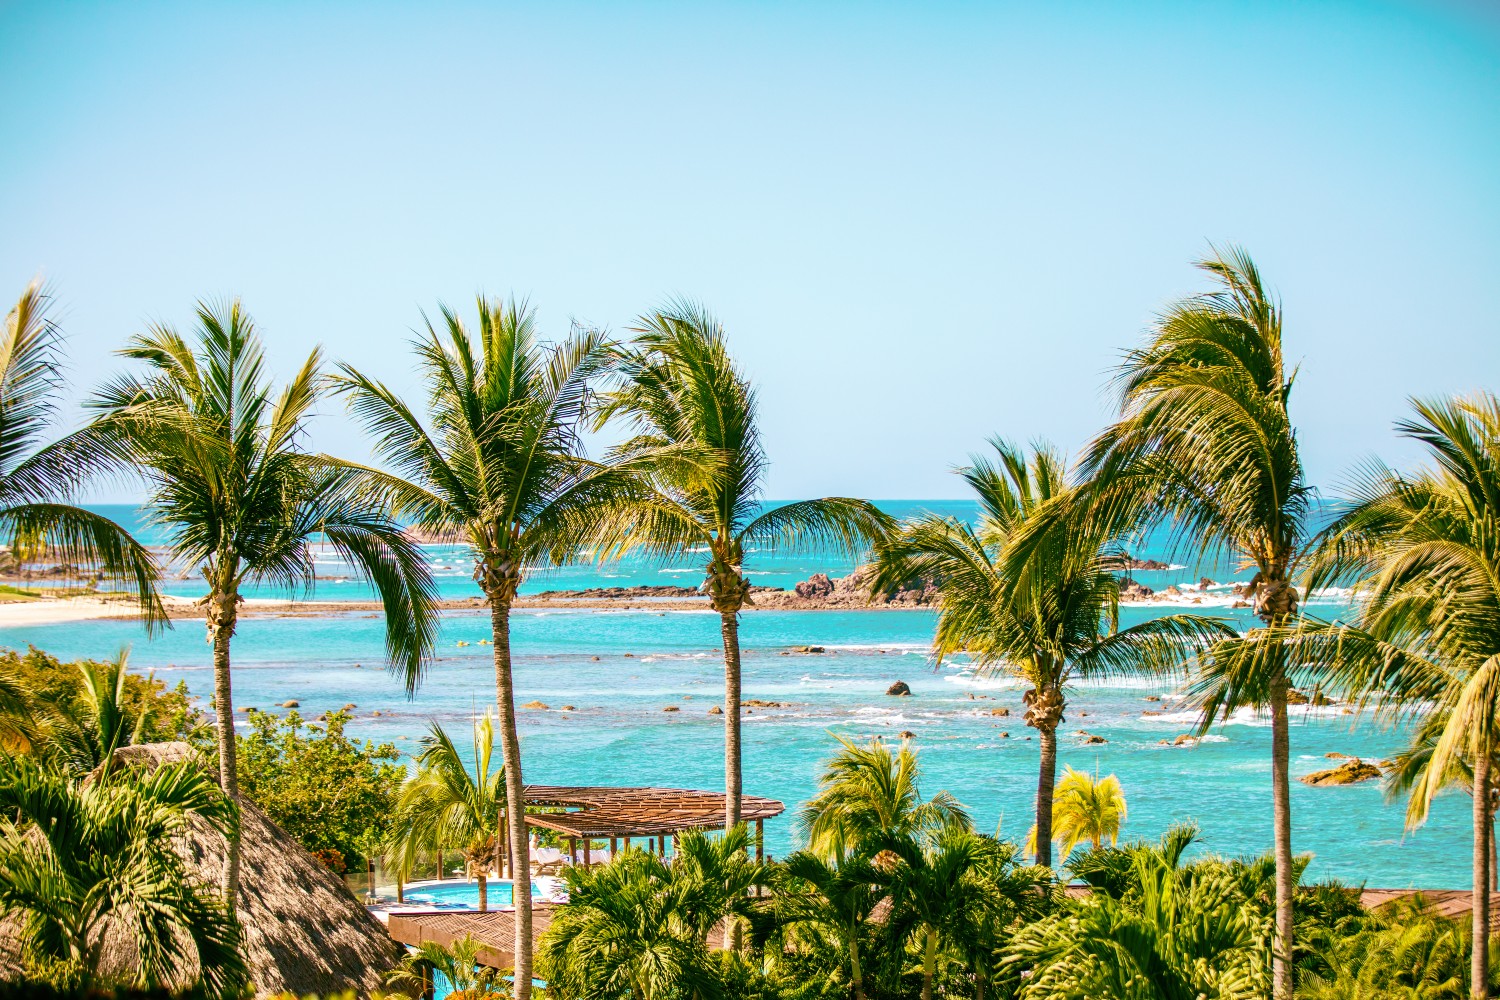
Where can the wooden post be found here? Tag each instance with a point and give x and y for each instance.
(572, 850)
(760, 840)
(627, 843)
(613, 845)
(588, 843)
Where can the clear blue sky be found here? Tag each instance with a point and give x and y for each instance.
(921, 224)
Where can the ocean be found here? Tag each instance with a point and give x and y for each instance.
(619, 670)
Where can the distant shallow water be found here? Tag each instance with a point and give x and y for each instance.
(618, 733)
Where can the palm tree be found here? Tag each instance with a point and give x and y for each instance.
(718, 876)
(86, 737)
(940, 886)
(683, 393)
(1032, 590)
(85, 865)
(1087, 808)
(1424, 550)
(502, 469)
(242, 503)
(459, 964)
(867, 793)
(446, 804)
(836, 899)
(37, 478)
(629, 929)
(1205, 444)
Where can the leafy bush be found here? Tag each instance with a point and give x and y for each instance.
(333, 794)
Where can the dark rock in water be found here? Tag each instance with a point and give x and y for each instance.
(1348, 773)
(542, 705)
(899, 688)
(1185, 740)
(1005, 736)
(1148, 564)
(1148, 713)
(1135, 592)
(1319, 699)
(1205, 583)
(671, 708)
(1002, 713)
(715, 710)
(1094, 738)
(1295, 697)
(759, 703)
(629, 655)
(349, 707)
(1153, 697)
(809, 649)
(594, 658)
(619, 593)
(907, 734)
(1335, 755)
(291, 703)
(815, 586)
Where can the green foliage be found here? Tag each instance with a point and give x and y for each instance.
(1402, 951)
(459, 964)
(72, 712)
(328, 791)
(86, 866)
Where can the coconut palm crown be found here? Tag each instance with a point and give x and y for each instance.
(38, 477)
(1045, 611)
(1205, 446)
(242, 503)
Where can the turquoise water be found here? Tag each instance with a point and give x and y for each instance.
(619, 669)
(464, 894)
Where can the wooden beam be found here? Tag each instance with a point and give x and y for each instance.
(760, 840)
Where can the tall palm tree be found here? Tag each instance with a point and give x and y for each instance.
(1087, 807)
(501, 467)
(242, 502)
(1032, 591)
(1205, 444)
(37, 478)
(446, 804)
(868, 792)
(681, 391)
(84, 865)
(1424, 550)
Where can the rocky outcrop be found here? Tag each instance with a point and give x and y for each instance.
(899, 689)
(1350, 772)
(541, 705)
(1002, 712)
(1134, 591)
(715, 710)
(1147, 564)
(815, 587)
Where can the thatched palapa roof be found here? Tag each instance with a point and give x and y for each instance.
(303, 930)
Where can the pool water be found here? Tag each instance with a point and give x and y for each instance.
(464, 894)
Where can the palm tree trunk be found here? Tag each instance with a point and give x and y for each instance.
(729, 625)
(515, 799)
(1494, 855)
(484, 895)
(1281, 795)
(854, 975)
(1480, 957)
(929, 963)
(1046, 779)
(222, 616)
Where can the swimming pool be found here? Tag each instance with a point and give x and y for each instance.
(463, 894)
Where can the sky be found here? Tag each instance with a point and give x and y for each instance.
(921, 225)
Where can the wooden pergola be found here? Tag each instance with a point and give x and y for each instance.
(597, 812)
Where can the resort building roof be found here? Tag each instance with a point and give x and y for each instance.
(598, 811)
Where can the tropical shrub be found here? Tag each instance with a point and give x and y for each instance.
(331, 793)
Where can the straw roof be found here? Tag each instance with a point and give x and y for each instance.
(605, 811)
(303, 930)
(494, 930)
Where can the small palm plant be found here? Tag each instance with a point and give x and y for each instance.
(629, 929)
(942, 887)
(1032, 590)
(87, 736)
(833, 899)
(37, 478)
(458, 964)
(1086, 807)
(867, 793)
(84, 865)
(683, 394)
(243, 504)
(446, 804)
